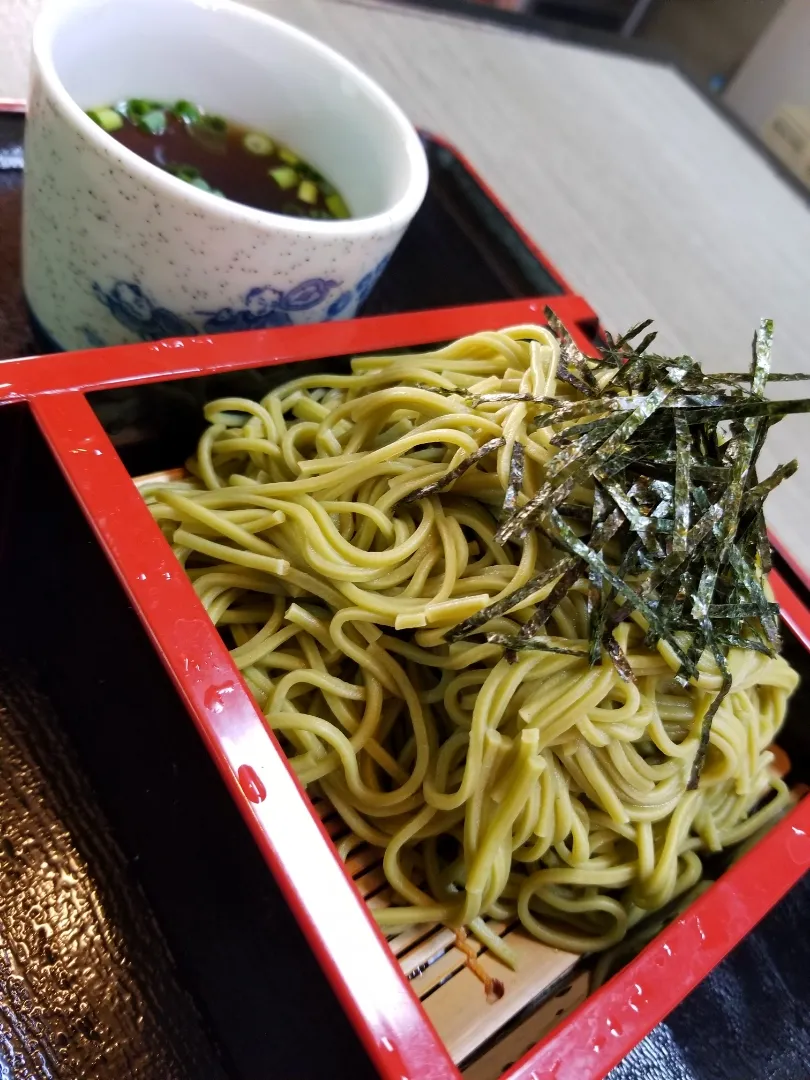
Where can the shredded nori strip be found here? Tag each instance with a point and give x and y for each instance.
(671, 453)
(573, 367)
(599, 512)
(738, 611)
(766, 486)
(502, 398)
(761, 358)
(515, 484)
(706, 727)
(633, 332)
(574, 510)
(737, 410)
(546, 608)
(572, 379)
(599, 622)
(680, 496)
(737, 642)
(572, 410)
(450, 477)
(619, 658)
(502, 606)
(571, 434)
(700, 611)
(544, 644)
(774, 376)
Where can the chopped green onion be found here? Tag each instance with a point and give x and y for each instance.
(189, 173)
(108, 119)
(214, 123)
(284, 176)
(186, 111)
(308, 192)
(308, 172)
(256, 143)
(203, 185)
(289, 156)
(215, 142)
(336, 206)
(153, 123)
(138, 107)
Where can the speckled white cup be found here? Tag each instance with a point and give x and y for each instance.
(116, 250)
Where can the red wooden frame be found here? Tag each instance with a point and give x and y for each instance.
(180, 358)
(355, 958)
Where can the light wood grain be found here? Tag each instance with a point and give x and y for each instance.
(461, 1014)
(511, 1046)
(453, 995)
(643, 195)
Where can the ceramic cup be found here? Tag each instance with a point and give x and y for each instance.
(116, 250)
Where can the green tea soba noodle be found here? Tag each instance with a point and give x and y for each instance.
(439, 659)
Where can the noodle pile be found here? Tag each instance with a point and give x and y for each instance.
(525, 785)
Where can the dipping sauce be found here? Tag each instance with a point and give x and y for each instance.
(222, 157)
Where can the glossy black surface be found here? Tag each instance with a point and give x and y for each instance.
(88, 988)
(239, 952)
(748, 1020)
(16, 336)
(459, 249)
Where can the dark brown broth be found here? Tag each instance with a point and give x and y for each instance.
(225, 166)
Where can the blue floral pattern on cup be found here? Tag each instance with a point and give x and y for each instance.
(128, 303)
(360, 293)
(369, 280)
(262, 307)
(266, 306)
(340, 304)
(92, 337)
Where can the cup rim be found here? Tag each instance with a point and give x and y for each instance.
(395, 216)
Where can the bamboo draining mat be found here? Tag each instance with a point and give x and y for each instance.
(453, 996)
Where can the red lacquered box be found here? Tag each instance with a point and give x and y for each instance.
(72, 399)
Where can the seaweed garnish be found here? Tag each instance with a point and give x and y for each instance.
(507, 603)
(757, 493)
(545, 609)
(515, 485)
(681, 501)
(450, 477)
(619, 658)
(573, 367)
(539, 643)
(671, 455)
